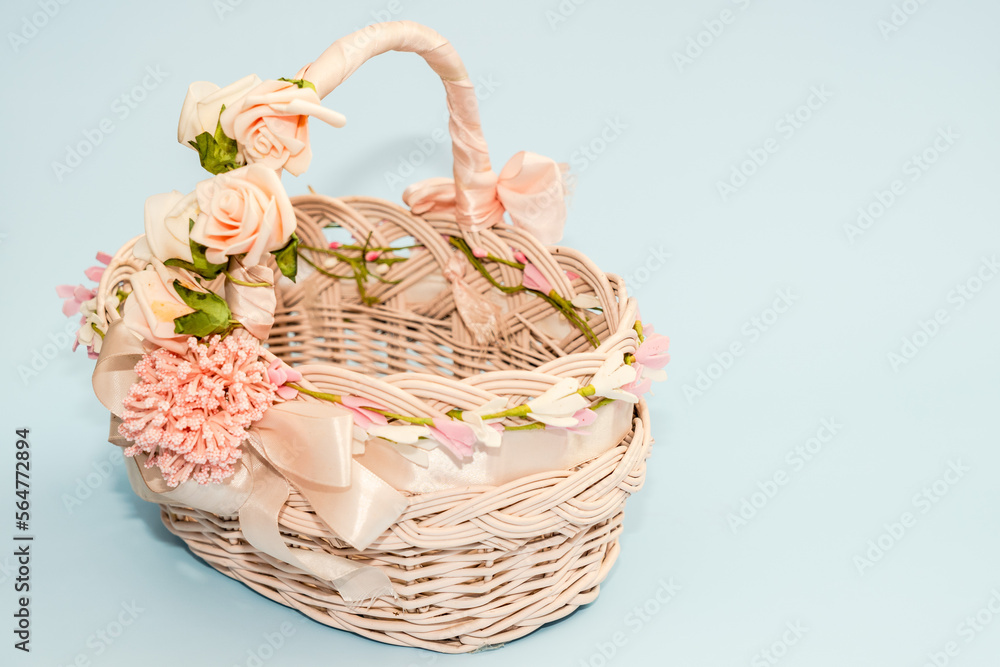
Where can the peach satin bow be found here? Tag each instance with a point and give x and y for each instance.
(530, 188)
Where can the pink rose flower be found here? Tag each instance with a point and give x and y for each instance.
(243, 211)
(203, 103)
(271, 124)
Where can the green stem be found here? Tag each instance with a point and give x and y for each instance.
(333, 251)
(322, 270)
(519, 411)
(638, 329)
(333, 398)
(337, 398)
(508, 262)
(423, 421)
(244, 283)
(567, 309)
(467, 251)
(553, 299)
(525, 427)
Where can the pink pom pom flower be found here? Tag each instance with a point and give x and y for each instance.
(190, 412)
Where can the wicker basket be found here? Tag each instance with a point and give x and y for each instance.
(472, 565)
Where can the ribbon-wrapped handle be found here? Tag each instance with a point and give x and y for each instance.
(530, 188)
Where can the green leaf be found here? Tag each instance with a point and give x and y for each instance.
(211, 316)
(199, 263)
(288, 258)
(217, 153)
(301, 83)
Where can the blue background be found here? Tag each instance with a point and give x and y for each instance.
(654, 105)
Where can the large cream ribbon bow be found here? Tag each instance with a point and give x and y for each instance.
(300, 444)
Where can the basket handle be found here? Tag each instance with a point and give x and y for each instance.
(476, 203)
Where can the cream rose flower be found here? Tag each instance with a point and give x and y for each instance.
(203, 103)
(243, 211)
(168, 220)
(271, 124)
(153, 305)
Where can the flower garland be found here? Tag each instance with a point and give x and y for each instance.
(205, 300)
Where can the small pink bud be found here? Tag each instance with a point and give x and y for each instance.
(334, 245)
(479, 253)
(371, 255)
(520, 257)
(572, 275)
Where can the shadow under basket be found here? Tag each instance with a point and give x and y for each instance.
(472, 566)
(529, 552)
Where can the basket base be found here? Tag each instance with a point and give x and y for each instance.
(526, 588)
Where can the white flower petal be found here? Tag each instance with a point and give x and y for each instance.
(586, 301)
(558, 404)
(613, 374)
(416, 455)
(563, 422)
(498, 404)
(485, 434)
(405, 433)
(654, 374)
